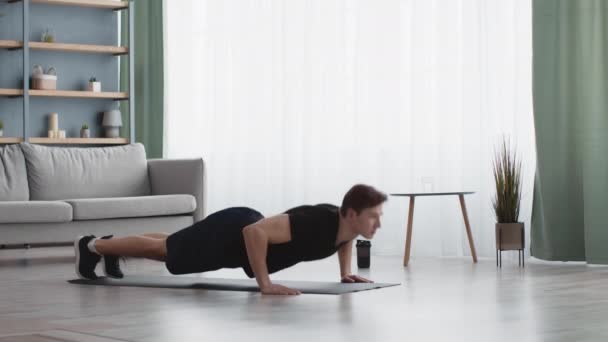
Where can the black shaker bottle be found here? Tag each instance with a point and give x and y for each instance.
(363, 247)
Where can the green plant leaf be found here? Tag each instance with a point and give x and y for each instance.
(508, 184)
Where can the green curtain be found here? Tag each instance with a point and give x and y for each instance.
(570, 49)
(149, 94)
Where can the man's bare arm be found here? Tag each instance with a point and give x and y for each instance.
(344, 256)
(257, 237)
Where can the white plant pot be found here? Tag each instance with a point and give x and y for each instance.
(1, 133)
(94, 86)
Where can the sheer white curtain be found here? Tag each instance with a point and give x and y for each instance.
(292, 102)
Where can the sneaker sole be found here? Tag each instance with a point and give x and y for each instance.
(77, 252)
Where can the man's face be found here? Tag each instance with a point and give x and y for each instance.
(368, 221)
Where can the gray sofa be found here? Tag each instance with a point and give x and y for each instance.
(51, 195)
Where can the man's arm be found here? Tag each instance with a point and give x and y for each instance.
(344, 255)
(257, 237)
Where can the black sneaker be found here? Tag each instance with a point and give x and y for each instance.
(111, 264)
(85, 259)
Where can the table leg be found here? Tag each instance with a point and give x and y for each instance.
(468, 227)
(408, 239)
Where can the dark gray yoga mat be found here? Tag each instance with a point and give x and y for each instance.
(226, 284)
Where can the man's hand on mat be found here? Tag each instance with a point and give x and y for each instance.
(276, 289)
(353, 278)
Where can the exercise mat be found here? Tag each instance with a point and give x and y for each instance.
(226, 284)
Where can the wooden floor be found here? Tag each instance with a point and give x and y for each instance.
(439, 300)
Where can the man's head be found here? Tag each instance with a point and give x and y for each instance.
(361, 209)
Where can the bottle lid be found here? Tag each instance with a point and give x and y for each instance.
(364, 243)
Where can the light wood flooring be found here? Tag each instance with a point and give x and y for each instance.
(448, 299)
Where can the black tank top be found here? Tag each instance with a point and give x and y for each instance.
(314, 229)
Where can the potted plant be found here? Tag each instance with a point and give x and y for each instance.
(84, 131)
(94, 85)
(48, 36)
(507, 178)
(1, 128)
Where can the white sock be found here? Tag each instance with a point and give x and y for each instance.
(91, 246)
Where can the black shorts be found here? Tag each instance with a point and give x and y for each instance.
(212, 243)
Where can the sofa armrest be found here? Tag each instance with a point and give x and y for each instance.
(180, 176)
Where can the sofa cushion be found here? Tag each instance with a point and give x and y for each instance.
(13, 175)
(120, 207)
(35, 212)
(56, 173)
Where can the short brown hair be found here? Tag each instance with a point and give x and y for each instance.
(360, 197)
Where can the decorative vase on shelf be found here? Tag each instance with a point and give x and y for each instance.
(112, 121)
(48, 36)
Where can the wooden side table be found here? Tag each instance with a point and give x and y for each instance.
(410, 219)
